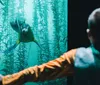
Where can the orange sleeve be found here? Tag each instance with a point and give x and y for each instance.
(60, 67)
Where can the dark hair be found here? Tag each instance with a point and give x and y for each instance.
(94, 22)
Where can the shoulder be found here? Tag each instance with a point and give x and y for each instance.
(83, 57)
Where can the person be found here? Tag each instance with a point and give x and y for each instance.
(83, 63)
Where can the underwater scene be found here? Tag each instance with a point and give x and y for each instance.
(32, 32)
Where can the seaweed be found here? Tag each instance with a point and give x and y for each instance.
(1, 2)
(49, 25)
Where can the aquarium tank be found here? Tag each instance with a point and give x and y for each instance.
(47, 22)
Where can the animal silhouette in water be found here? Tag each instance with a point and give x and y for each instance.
(24, 31)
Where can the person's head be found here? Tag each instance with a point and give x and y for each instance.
(94, 27)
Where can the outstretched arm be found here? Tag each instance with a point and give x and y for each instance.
(60, 67)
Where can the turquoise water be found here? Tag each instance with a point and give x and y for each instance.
(48, 22)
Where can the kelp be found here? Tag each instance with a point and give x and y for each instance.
(48, 21)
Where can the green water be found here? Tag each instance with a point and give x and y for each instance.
(48, 21)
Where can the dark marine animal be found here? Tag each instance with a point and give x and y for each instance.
(24, 31)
